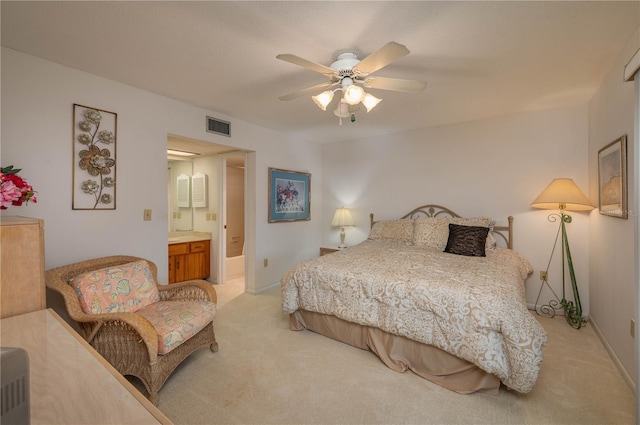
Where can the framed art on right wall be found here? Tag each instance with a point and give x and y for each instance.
(612, 179)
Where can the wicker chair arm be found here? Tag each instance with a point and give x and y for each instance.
(190, 290)
(137, 322)
(55, 281)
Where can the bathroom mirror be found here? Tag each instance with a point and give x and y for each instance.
(180, 212)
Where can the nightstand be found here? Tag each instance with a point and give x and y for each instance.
(325, 251)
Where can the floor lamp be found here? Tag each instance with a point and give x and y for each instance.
(563, 195)
(342, 218)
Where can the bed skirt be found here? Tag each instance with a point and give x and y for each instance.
(400, 353)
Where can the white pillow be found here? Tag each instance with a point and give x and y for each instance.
(393, 230)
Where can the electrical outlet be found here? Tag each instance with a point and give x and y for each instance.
(632, 328)
(543, 275)
(266, 262)
(147, 215)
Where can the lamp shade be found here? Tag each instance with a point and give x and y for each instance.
(342, 218)
(562, 194)
(370, 101)
(353, 94)
(323, 99)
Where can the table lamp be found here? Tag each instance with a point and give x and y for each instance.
(342, 218)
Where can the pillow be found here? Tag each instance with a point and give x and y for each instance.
(433, 232)
(492, 243)
(124, 288)
(467, 240)
(392, 230)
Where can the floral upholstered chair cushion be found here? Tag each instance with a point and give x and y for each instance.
(177, 321)
(125, 288)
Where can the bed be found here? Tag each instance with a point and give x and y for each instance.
(432, 292)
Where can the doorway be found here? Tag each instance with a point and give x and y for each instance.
(211, 159)
(234, 194)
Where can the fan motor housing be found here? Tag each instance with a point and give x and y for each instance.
(345, 63)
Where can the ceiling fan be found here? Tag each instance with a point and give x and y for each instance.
(349, 75)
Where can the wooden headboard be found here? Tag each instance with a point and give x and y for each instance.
(504, 233)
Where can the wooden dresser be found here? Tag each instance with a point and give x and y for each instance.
(22, 288)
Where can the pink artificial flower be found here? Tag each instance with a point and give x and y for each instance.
(13, 189)
(9, 193)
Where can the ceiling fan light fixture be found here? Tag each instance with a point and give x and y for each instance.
(323, 99)
(370, 101)
(344, 110)
(353, 94)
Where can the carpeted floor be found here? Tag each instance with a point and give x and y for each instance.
(265, 373)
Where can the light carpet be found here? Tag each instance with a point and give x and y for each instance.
(265, 373)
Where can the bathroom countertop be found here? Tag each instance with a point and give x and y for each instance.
(183, 237)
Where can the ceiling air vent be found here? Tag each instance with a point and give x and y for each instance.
(218, 126)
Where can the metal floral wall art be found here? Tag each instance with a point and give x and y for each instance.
(94, 158)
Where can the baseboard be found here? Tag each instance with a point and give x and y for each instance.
(613, 355)
(261, 290)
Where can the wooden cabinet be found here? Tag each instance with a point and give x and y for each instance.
(325, 251)
(189, 260)
(22, 288)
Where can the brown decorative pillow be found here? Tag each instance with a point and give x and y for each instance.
(467, 240)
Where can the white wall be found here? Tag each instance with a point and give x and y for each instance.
(37, 98)
(612, 252)
(494, 167)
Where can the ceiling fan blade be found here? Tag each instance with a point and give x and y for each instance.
(395, 84)
(382, 57)
(297, 60)
(309, 90)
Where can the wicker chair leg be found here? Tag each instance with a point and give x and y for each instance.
(154, 398)
(214, 343)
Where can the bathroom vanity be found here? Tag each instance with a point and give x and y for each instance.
(189, 256)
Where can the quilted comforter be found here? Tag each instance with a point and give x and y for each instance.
(471, 307)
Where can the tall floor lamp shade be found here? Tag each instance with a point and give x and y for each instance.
(342, 218)
(562, 194)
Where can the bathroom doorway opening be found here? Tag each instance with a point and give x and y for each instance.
(234, 192)
(211, 160)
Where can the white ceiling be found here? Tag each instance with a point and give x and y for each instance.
(480, 59)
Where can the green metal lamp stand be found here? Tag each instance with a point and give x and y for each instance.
(562, 194)
(572, 309)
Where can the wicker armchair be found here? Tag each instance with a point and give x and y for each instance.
(128, 340)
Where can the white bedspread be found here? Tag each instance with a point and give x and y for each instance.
(471, 307)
